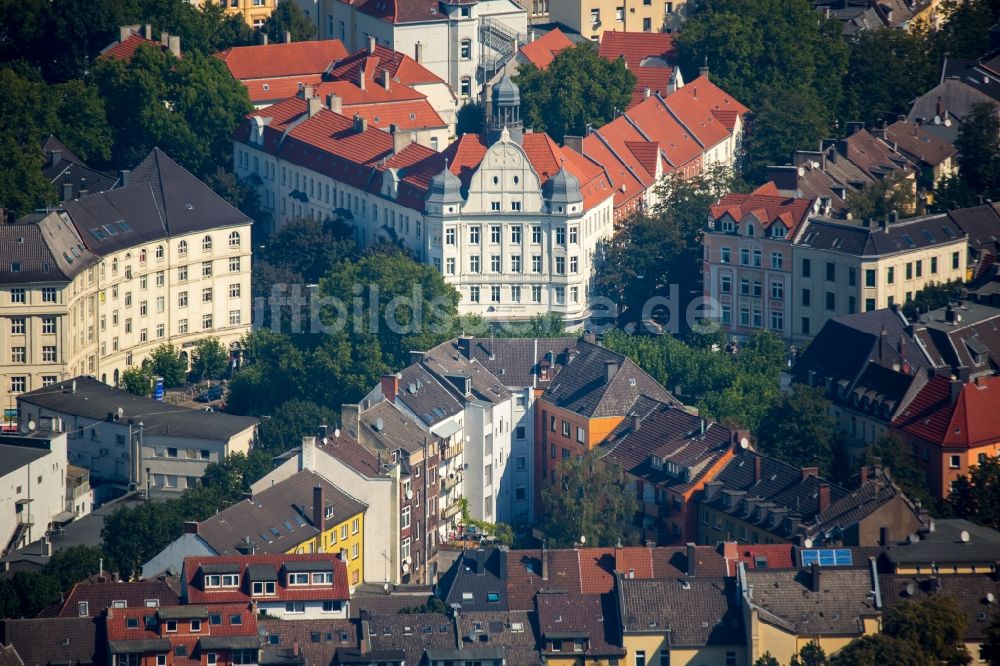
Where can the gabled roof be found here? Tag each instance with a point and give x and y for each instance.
(517, 361)
(451, 367)
(543, 50)
(705, 110)
(513, 631)
(970, 418)
(696, 611)
(656, 122)
(391, 427)
(411, 633)
(637, 48)
(45, 249)
(272, 61)
(969, 591)
(477, 581)
(68, 641)
(651, 81)
(264, 568)
(278, 518)
(766, 206)
(597, 383)
(124, 50)
(316, 640)
(62, 166)
(918, 144)
(588, 618)
(99, 593)
(874, 156)
(401, 67)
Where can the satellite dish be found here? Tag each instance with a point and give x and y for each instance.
(911, 589)
(808, 543)
(964, 536)
(32, 425)
(583, 538)
(744, 443)
(336, 433)
(121, 413)
(406, 568)
(990, 597)
(385, 586)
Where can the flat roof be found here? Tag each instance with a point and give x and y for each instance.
(14, 457)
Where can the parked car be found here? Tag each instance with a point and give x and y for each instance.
(213, 393)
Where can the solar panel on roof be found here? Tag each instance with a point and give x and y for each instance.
(828, 557)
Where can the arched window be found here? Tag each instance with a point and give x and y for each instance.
(142, 256)
(750, 230)
(182, 248)
(234, 239)
(159, 252)
(114, 266)
(206, 243)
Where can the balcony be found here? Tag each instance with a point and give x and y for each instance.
(450, 482)
(451, 452)
(450, 512)
(25, 518)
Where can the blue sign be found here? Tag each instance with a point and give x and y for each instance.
(158, 388)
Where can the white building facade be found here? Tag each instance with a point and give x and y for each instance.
(32, 487)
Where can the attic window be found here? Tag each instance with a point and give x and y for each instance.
(266, 87)
(131, 623)
(15, 267)
(467, 596)
(493, 597)
(413, 116)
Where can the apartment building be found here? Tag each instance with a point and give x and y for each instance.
(748, 262)
(464, 43)
(94, 287)
(847, 266)
(593, 18)
(512, 223)
(133, 441)
(32, 487)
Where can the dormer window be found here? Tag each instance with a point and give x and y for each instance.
(325, 578)
(263, 588)
(656, 462)
(779, 231)
(728, 226)
(298, 579)
(751, 230)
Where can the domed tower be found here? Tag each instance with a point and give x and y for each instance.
(444, 191)
(506, 111)
(562, 191)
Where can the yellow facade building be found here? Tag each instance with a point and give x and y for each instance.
(591, 18)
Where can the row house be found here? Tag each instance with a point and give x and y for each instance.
(748, 259)
(220, 635)
(668, 455)
(650, 56)
(289, 587)
(114, 274)
(514, 225)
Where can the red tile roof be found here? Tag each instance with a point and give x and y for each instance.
(655, 79)
(547, 158)
(125, 50)
(635, 47)
(116, 624)
(99, 594)
(695, 106)
(770, 556)
(543, 50)
(401, 67)
(198, 595)
(628, 159)
(766, 205)
(373, 93)
(262, 91)
(416, 114)
(270, 61)
(658, 123)
(972, 419)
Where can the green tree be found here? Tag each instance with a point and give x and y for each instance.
(799, 429)
(766, 659)
(977, 496)
(811, 654)
(935, 295)
(786, 119)
(965, 30)
(288, 17)
(72, 564)
(188, 107)
(880, 650)
(301, 252)
(661, 250)
(290, 422)
(577, 89)
(876, 200)
(978, 146)
(137, 380)
(232, 478)
(242, 196)
(275, 370)
(936, 624)
(167, 362)
(892, 452)
(209, 359)
(887, 69)
(471, 119)
(203, 28)
(547, 325)
(589, 498)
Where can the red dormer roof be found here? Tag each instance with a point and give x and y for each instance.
(635, 47)
(594, 183)
(125, 50)
(628, 158)
(657, 123)
(696, 106)
(402, 68)
(118, 629)
(971, 419)
(543, 50)
(400, 11)
(275, 566)
(269, 61)
(766, 205)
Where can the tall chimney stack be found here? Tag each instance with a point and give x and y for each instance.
(319, 509)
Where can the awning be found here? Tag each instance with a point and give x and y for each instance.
(229, 642)
(446, 429)
(140, 646)
(63, 517)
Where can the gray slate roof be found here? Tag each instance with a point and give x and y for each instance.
(696, 611)
(968, 590)
(852, 237)
(62, 166)
(411, 633)
(583, 384)
(95, 400)
(42, 248)
(516, 361)
(42, 641)
(475, 575)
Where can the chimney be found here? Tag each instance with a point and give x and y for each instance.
(335, 103)
(123, 177)
(263, 38)
(175, 45)
(416, 357)
(390, 387)
(573, 142)
(612, 368)
(418, 52)
(362, 77)
(165, 38)
(730, 550)
(314, 104)
(756, 469)
(646, 93)
(465, 346)
(191, 527)
(83, 186)
(893, 216)
(400, 139)
(67, 191)
(810, 471)
(371, 44)
(319, 509)
(386, 79)
(295, 648)
(636, 420)
(545, 561)
(692, 557)
(956, 391)
(124, 32)
(148, 31)
(360, 124)
(864, 474)
(814, 570)
(288, 37)
(55, 157)
(824, 497)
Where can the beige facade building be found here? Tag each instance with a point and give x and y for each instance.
(845, 266)
(591, 18)
(93, 288)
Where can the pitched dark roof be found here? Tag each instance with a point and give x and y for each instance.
(787, 600)
(583, 385)
(411, 633)
(564, 616)
(16, 452)
(99, 594)
(285, 507)
(349, 451)
(64, 641)
(94, 400)
(477, 581)
(951, 335)
(162, 199)
(453, 370)
(852, 237)
(317, 640)
(421, 393)
(968, 590)
(517, 361)
(514, 631)
(982, 224)
(42, 248)
(392, 428)
(695, 611)
(62, 166)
